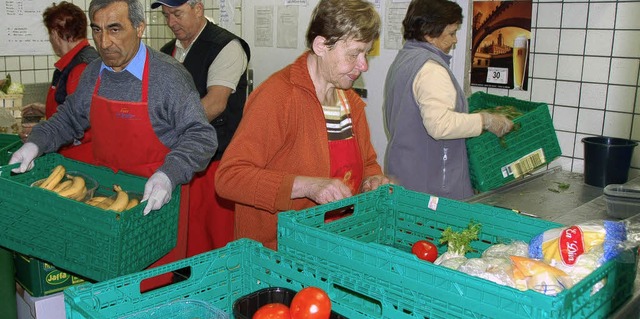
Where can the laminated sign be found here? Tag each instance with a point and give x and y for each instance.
(501, 34)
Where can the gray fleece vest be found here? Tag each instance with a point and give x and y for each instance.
(413, 157)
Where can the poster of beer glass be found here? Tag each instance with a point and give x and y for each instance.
(501, 36)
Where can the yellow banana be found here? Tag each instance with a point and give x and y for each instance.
(100, 201)
(75, 188)
(95, 200)
(80, 195)
(105, 204)
(62, 185)
(54, 178)
(121, 201)
(132, 203)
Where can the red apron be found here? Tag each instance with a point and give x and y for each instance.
(81, 152)
(123, 139)
(211, 218)
(346, 161)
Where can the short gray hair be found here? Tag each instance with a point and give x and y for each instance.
(136, 9)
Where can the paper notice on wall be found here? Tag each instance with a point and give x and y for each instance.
(227, 13)
(21, 29)
(393, 24)
(287, 27)
(296, 3)
(263, 26)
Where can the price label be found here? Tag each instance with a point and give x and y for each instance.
(497, 75)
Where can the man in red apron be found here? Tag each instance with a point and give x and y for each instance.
(144, 112)
(217, 60)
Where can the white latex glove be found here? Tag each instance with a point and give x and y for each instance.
(157, 192)
(25, 156)
(497, 124)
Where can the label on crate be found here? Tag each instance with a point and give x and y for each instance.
(525, 164)
(433, 203)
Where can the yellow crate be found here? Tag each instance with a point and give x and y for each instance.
(13, 104)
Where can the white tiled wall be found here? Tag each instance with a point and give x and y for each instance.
(585, 64)
(39, 69)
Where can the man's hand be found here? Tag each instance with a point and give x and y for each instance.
(373, 182)
(25, 156)
(320, 190)
(157, 192)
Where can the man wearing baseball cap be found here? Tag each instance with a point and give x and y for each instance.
(217, 60)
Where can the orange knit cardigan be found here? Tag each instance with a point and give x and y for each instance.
(282, 135)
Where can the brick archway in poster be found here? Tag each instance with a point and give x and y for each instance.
(507, 14)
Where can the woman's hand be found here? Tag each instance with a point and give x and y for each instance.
(373, 182)
(31, 115)
(320, 190)
(33, 109)
(497, 124)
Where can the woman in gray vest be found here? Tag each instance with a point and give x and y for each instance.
(426, 111)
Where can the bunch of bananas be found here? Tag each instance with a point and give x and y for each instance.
(121, 202)
(74, 187)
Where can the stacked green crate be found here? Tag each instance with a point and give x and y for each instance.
(39, 278)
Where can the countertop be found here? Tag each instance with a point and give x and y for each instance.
(562, 197)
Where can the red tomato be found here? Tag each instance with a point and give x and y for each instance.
(272, 311)
(310, 303)
(425, 250)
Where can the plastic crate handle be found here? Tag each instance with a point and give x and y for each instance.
(350, 205)
(379, 306)
(7, 169)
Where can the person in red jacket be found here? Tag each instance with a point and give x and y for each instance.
(67, 26)
(304, 137)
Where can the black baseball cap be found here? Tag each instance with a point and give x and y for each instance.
(168, 3)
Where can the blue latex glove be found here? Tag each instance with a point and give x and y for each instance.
(157, 192)
(25, 156)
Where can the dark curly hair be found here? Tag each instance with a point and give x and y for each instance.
(66, 19)
(429, 17)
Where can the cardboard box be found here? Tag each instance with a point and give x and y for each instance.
(39, 278)
(47, 307)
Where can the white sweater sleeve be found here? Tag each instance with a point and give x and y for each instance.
(436, 97)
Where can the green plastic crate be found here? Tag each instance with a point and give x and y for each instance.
(9, 143)
(86, 241)
(39, 278)
(219, 278)
(492, 163)
(375, 243)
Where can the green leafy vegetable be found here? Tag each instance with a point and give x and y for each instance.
(460, 242)
(6, 83)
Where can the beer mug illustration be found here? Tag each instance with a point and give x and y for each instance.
(519, 61)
